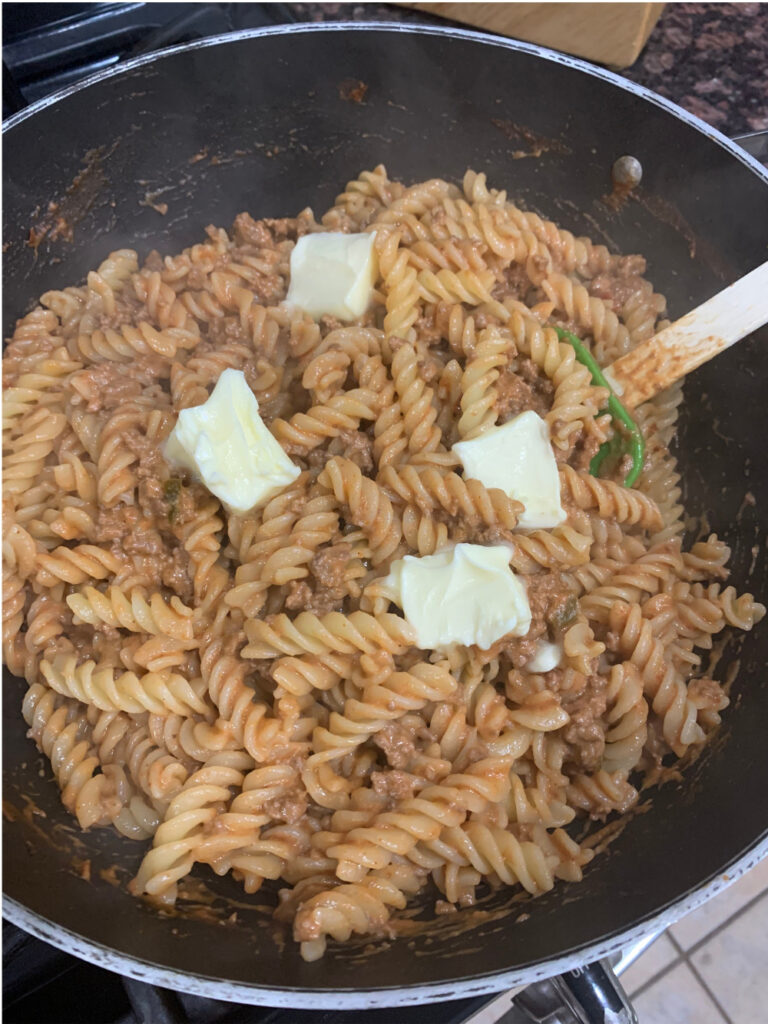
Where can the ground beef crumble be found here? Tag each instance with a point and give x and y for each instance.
(325, 589)
(514, 284)
(586, 446)
(107, 385)
(154, 261)
(299, 596)
(483, 534)
(289, 808)
(395, 785)
(617, 291)
(585, 732)
(549, 597)
(329, 564)
(521, 387)
(222, 330)
(397, 744)
(430, 368)
(247, 231)
(358, 448)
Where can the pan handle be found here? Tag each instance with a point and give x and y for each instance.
(591, 994)
(594, 995)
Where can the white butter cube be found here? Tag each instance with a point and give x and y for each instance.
(226, 444)
(466, 595)
(548, 656)
(518, 458)
(333, 273)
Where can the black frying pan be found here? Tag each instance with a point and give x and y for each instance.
(278, 129)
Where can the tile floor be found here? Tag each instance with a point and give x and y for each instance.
(711, 967)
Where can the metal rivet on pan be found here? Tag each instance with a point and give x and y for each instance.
(627, 171)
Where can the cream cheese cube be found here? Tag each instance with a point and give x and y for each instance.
(465, 595)
(225, 444)
(548, 656)
(333, 273)
(518, 458)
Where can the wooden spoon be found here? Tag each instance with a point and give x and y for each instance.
(698, 336)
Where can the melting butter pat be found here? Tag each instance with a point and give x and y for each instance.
(518, 458)
(466, 595)
(225, 444)
(548, 656)
(332, 273)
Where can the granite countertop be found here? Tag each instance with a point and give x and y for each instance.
(710, 58)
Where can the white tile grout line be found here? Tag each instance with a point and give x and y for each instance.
(684, 958)
(656, 977)
(720, 927)
(678, 960)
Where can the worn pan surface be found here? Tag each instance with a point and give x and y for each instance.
(268, 121)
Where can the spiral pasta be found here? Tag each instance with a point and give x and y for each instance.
(176, 840)
(478, 398)
(133, 612)
(61, 732)
(239, 690)
(419, 414)
(156, 692)
(429, 490)
(367, 504)
(610, 499)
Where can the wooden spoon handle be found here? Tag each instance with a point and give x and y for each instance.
(724, 319)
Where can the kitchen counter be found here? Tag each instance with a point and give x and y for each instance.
(710, 58)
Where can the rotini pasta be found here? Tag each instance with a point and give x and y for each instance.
(239, 690)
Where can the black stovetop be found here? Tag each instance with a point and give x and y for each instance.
(43, 985)
(49, 46)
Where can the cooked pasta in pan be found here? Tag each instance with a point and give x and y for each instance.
(353, 667)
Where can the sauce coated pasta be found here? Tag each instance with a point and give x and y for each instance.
(240, 691)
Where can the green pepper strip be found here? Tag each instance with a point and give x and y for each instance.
(632, 442)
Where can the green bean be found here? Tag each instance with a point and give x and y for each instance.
(629, 437)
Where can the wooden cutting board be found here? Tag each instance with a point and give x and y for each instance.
(610, 33)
